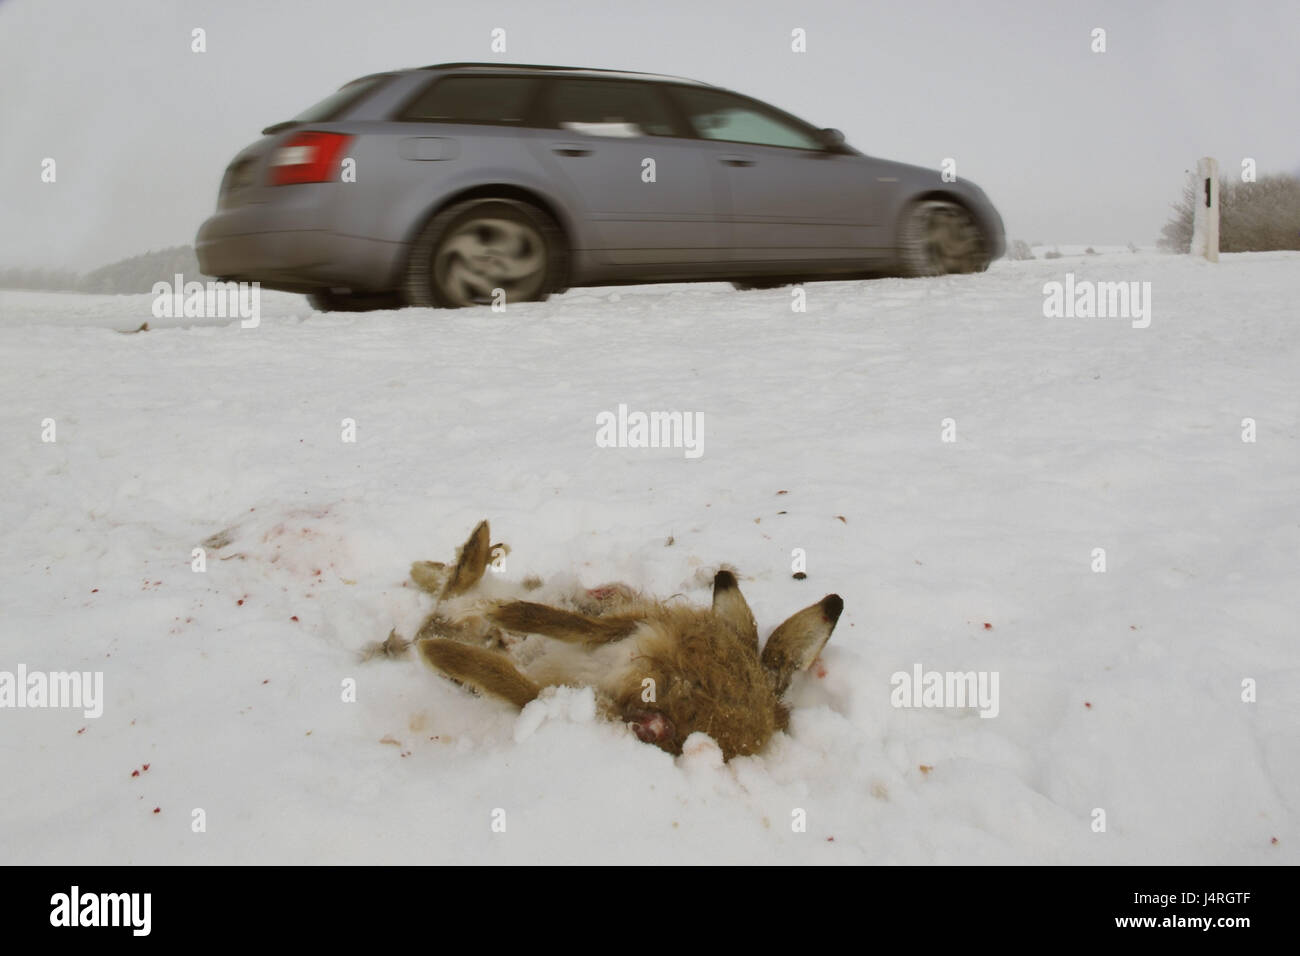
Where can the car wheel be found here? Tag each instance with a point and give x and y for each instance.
(469, 251)
(941, 237)
(327, 300)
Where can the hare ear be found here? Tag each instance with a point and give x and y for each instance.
(795, 644)
(730, 607)
(471, 562)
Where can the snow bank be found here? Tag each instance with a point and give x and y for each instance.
(1119, 691)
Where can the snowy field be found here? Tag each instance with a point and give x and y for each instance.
(1120, 691)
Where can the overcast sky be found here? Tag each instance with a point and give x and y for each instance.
(1072, 146)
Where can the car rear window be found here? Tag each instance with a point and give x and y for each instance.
(339, 102)
(609, 108)
(499, 100)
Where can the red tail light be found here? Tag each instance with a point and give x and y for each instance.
(307, 158)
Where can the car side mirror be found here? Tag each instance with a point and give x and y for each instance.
(832, 139)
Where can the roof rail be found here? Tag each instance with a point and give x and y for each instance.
(558, 69)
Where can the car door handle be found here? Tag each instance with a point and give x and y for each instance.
(567, 150)
(735, 161)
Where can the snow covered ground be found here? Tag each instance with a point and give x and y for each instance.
(1120, 691)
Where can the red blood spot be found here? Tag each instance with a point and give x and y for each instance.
(94, 590)
(1274, 841)
(316, 572)
(988, 626)
(1087, 703)
(135, 773)
(145, 766)
(82, 730)
(830, 839)
(267, 681)
(157, 809)
(294, 618)
(783, 492)
(240, 602)
(821, 669)
(650, 726)
(842, 518)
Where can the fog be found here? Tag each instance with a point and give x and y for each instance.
(1072, 145)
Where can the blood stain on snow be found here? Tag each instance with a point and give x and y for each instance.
(988, 626)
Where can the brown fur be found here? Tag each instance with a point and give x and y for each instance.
(481, 669)
(524, 617)
(668, 670)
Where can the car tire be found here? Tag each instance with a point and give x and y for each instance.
(470, 250)
(940, 238)
(327, 300)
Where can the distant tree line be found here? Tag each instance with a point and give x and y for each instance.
(1253, 217)
(136, 274)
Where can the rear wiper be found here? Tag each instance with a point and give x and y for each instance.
(277, 127)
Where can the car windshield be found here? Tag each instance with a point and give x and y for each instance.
(336, 103)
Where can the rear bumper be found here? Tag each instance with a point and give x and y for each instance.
(291, 250)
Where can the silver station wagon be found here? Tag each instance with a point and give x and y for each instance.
(469, 183)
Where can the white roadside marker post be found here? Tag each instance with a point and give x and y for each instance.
(1205, 219)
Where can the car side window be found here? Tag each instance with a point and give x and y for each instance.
(609, 108)
(721, 116)
(494, 100)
